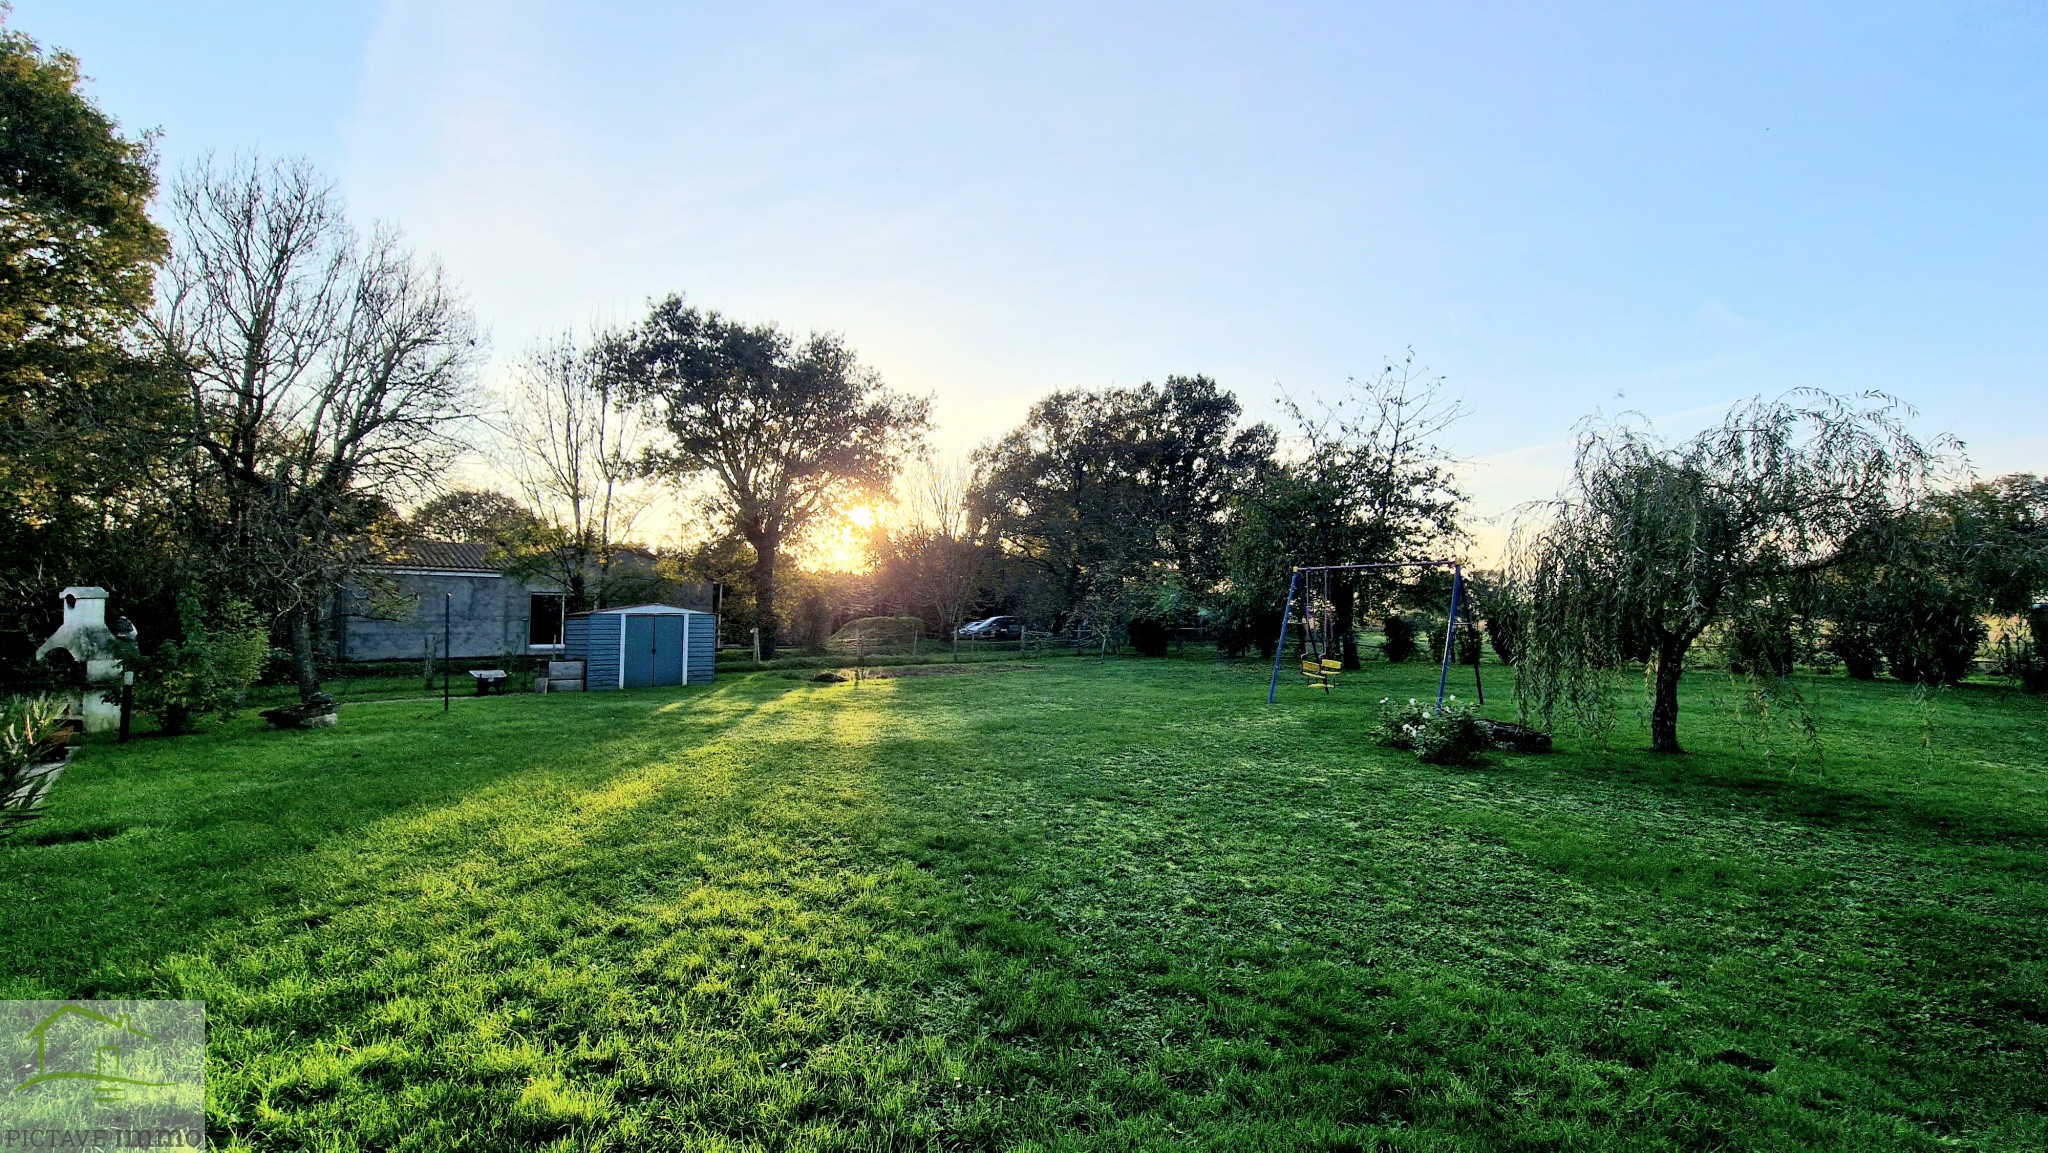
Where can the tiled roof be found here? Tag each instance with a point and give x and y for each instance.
(441, 555)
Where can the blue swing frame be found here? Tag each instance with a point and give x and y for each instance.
(1443, 679)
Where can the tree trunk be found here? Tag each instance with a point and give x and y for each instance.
(1346, 601)
(1664, 703)
(303, 670)
(765, 550)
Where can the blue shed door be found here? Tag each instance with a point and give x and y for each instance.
(639, 652)
(668, 650)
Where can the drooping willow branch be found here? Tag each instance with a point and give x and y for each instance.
(1651, 544)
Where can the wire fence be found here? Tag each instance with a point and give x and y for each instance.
(853, 649)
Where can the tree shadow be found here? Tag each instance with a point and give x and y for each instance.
(238, 824)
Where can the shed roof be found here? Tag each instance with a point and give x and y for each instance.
(642, 611)
(437, 555)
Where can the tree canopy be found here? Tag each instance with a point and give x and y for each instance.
(784, 430)
(83, 414)
(1115, 499)
(78, 250)
(1371, 484)
(577, 454)
(1651, 544)
(476, 516)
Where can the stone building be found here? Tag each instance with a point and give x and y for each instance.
(396, 610)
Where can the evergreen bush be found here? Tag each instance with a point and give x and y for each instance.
(206, 674)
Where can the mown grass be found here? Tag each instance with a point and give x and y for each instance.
(1116, 906)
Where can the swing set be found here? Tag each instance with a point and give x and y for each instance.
(1320, 659)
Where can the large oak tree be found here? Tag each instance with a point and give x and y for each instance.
(786, 430)
(1113, 499)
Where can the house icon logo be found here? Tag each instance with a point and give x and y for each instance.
(86, 1074)
(75, 1043)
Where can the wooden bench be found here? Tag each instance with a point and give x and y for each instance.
(490, 681)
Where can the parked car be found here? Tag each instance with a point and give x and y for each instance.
(993, 629)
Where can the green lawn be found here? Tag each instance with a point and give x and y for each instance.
(1088, 906)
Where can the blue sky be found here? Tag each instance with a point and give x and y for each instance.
(1565, 208)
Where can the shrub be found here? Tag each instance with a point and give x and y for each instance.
(1400, 726)
(2018, 660)
(1934, 640)
(33, 730)
(1761, 642)
(1448, 736)
(241, 648)
(1502, 634)
(1503, 619)
(206, 674)
(1400, 643)
(1451, 736)
(1468, 643)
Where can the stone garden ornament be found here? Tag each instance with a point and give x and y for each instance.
(85, 635)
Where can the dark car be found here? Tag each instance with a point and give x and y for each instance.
(993, 629)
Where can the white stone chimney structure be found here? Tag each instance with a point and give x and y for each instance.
(84, 634)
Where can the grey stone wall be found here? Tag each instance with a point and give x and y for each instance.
(486, 614)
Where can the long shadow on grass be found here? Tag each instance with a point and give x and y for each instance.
(1890, 757)
(1875, 774)
(1178, 904)
(698, 928)
(155, 845)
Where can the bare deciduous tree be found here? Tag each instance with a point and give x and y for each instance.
(326, 375)
(575, 454)
(933, 552)
(1371, 483)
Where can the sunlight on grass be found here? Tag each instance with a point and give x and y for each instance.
(1114, 906)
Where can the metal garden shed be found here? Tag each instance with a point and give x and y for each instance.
(639, 646)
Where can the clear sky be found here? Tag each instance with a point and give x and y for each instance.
(1563, 207)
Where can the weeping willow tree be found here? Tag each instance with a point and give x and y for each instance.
(1651, 544)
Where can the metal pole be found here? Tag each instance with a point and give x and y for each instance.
(1443, 680)
(1280, 646)
(447, 614)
